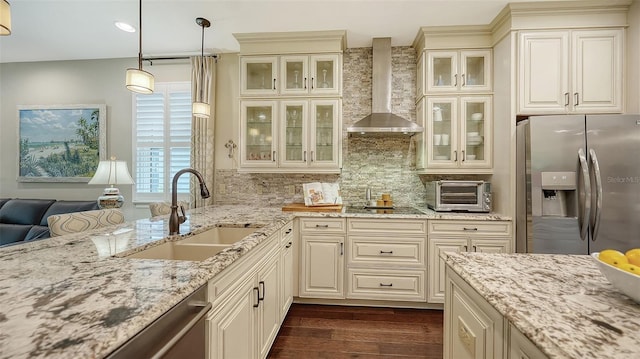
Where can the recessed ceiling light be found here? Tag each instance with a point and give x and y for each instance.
(124, 26)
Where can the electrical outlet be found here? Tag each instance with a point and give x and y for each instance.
(466, 337)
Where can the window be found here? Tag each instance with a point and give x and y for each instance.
(161, 141)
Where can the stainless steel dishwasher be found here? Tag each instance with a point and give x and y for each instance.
(178, 333)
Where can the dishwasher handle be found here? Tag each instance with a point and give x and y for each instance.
(205, 306)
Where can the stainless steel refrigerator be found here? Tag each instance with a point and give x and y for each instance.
(578, 183)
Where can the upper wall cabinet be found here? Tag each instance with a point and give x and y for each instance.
(570, 71)
(290, 102)
(464, 70)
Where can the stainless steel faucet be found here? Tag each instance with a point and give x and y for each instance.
(175, 219)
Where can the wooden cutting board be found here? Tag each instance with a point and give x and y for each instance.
(300, 207)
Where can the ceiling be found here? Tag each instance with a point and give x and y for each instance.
(45, 30)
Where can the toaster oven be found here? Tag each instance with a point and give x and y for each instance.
(463, 196)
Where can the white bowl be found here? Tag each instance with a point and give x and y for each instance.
(471, 157)
(476, 116)
(473, 134)
(625, 282)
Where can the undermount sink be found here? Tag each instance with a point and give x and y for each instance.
(197, 247)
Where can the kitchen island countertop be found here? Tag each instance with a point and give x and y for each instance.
(559, 302)
(79, 296)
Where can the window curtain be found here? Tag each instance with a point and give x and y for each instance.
(202, 130)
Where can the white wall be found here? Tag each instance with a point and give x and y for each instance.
(71, 82)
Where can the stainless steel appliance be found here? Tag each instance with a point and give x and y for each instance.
(179, 333)
(464, 196)
(578, 183)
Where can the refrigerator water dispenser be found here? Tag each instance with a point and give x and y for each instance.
(559, 194)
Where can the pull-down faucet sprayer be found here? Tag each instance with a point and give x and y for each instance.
(175, 219)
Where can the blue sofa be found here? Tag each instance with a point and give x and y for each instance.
(24, 220)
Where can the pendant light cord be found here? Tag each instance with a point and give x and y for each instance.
(202, 67)
(140, 36)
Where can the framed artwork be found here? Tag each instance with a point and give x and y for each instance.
(61, 143)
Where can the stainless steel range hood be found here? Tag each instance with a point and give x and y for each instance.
(381, 120)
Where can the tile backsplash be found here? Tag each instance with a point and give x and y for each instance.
(384, 163)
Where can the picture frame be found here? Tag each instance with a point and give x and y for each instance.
(61, 143)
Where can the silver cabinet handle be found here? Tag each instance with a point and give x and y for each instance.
(470, 229)
(322, 226)
(586, 211)
(595, 222)
(386, 285)
(576, 97)
(566, 99)
(464, 82)
(261, 289)
(257, 297)
(173, 341)
(386, 252)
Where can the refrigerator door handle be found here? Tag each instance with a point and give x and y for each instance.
(586, 210)
(595, 222)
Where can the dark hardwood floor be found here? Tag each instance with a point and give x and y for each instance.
(336, 332)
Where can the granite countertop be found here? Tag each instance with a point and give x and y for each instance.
(79, 296)
(562, 303)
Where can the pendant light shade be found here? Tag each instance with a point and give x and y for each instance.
(5, 18)
(138, 80)
(201, 108)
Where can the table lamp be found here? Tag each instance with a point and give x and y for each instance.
(111, 172)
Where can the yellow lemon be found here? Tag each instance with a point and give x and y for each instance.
(613, 257)
(630, 268)
(633, 256)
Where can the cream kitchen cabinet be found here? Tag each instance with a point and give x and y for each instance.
(287, 269)
(290, 136)
(522, 348)
(386, 260)
(458, 236)
(319, 74)
(449, 71)
(473, 329)
(458, 134)
(570, 71)
(322, 258)
(246, 315)
(258, 75)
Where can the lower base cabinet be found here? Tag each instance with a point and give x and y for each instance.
(245, 320)
(474, 329)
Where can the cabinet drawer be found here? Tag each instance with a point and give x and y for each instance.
(322, 225)
(386, 284)
(387, 252)
(470, 227)
(384, 226)
(286, 233)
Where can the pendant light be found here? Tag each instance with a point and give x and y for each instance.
(139, 80)
(201, 108)
(5, 18)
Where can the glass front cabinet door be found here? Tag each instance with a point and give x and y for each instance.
(258, 75)
(293, 134)
(465, 70)
(325, 75)
(314, 74)
(458, 134)
(258, 134)
(324, 137)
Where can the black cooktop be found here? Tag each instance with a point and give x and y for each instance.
(383, 210)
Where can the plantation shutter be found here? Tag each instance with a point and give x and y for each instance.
(162, 141)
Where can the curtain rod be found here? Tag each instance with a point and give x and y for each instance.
(160, 58)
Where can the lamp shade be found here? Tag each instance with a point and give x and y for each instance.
(5, 18)
(112, 172)
(139, 81)
(201, 109)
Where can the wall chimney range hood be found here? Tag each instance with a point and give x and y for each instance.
(381, 120)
